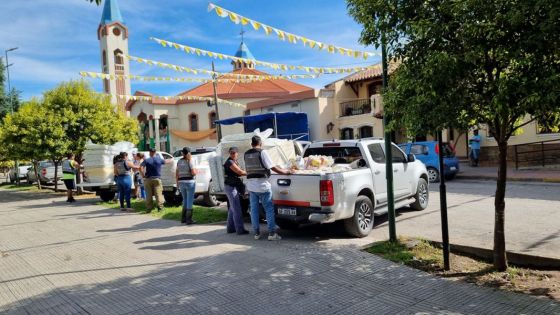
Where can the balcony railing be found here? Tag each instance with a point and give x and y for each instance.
(357, 107)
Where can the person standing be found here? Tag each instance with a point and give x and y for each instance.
(234, 188)
(139, 191)
(185, 176)
(122, 170)
(69, 170)
(258, 166)
(474, 143)
(151, 172)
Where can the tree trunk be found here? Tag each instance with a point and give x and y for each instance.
(500, 259)
(35, 166)
(55, 176)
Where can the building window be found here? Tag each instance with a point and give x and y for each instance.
(212, 119)
(119, 58)
(347, 134)
(548, 125)
(104, 58)
(247, 113)
(193, 122)
(366, 132)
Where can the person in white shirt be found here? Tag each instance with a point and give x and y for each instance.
(258, 166)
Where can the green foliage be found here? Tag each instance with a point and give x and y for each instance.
(466, 62)
(202, 215)
(63, 121)
(88, 116)
(7, 102)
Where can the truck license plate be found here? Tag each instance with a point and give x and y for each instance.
(287, 211)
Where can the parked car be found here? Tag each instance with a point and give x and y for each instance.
(354, 196)
(45, 171)
(22, 173)
(428, 153)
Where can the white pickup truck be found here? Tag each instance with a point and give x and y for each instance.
(354, 196)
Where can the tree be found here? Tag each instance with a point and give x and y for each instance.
(7, 101)
(492, 62)
(98, 2)
(87, 116)
(33, 133)
(67, 117)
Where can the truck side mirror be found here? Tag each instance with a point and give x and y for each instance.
(411, 157)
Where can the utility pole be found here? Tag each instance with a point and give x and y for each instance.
(11, 101)
(388, 152)
(215, 84)
(443, 204)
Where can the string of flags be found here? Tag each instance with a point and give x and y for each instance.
(220, 74)
(106, 76)
(177, 97)
(275, 66)
(283, 35)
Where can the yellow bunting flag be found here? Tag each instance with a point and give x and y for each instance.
(282, 35)
(276, 66)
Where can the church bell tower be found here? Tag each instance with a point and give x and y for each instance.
(113, 41)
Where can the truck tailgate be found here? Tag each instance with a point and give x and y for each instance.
(296, 190)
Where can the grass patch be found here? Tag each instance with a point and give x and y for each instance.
(423, 255)
(21, 187)
(202, 215)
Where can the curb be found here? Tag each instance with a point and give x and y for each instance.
(521, 260)
(510, 179)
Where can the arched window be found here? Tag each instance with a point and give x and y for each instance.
(119, 58)
(366, 132)
(212, 120)
(104, 58)
(346, 134)
(193, 122)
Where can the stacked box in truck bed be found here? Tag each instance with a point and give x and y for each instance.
(98, 161)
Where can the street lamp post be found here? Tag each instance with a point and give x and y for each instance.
(388, 152)
(11, 100)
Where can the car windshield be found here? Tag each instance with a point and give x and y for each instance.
(447, 150)
(341, 155)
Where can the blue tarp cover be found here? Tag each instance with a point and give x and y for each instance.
(290, 125)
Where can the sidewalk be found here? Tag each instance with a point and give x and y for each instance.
(491, 173)
(84, 259)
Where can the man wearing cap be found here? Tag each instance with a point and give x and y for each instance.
(258, 166)
(234, 188)
(151, 171)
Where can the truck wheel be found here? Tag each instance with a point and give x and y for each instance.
(433, 175)
(170, 198)
(422, 195)
(107, 195)
(287, 224)
(210, 199)
(361, 223)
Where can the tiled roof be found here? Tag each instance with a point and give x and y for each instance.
(282, 99)
(364, 75)
(256, 89)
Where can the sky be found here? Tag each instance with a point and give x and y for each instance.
(58, 38)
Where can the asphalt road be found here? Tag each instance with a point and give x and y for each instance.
(532, 218)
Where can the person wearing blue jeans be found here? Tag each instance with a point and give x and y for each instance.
(258, 166)
(474, 143)
(122, 170)
(234, 188)
(186, 182)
